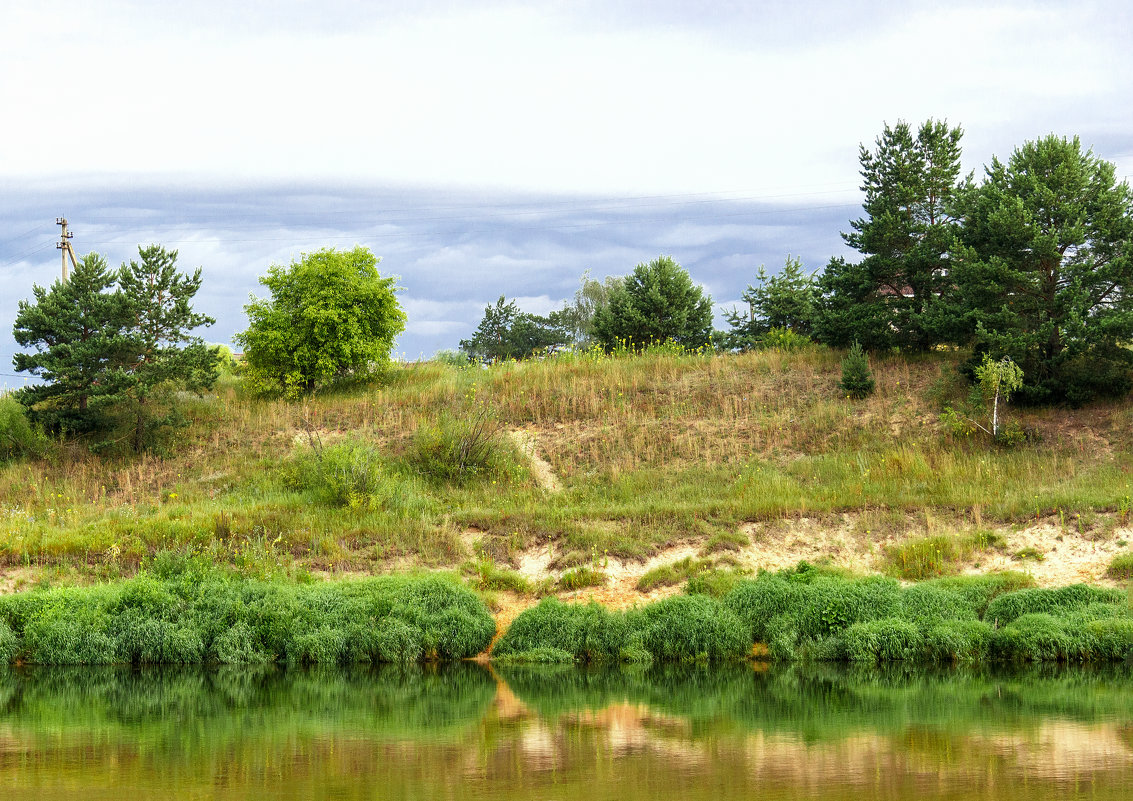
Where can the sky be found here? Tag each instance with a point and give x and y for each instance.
(500, 148)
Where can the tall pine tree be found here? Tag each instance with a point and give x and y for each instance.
(1045, 273)
(890, 297)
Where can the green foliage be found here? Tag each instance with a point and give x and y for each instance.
(589, 633)
(505, 332)
(484, 574)
(888, 640)
(18, 437)
(658, 302)
(576, 318)
(580, 578)
(781, 310)
(670, 574)
(353, 474)
(687, 628)
(191, 616)
(857, 380)
(940, 555)
(1121, 566)
(979, 591)
(1056, 601)
(113, 357)
(1045, 271)
(891, 298)
(331, 318)
(460, 449)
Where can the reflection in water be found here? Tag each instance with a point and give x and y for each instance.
(462, 731)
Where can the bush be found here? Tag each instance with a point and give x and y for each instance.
(353, 475)
(1121, 566)
(17, 436)
(887, 640)
(658, 302)
(1062, 600)
(589, 633)
(460, 449)
(958, 641)
(1035, 637)
(688, 628)
(857, 380)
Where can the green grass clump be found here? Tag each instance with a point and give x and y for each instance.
(588, 632)
(670, 574)
(354, 475)
(715, 582)
(1121, 566)
(580, 578)
(183, 613)
(459, 449)
(688, 628)
(484, 574)
(940, 555)
(725, 541)
(979, 591)
(1058, 601)
(887, 640)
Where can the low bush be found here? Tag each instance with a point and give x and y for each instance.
(457, 450)
(687, 628)
(1062, 600)
(186, 619)
(580, 578)
(18, 438)
(588, 632)
(887, 640)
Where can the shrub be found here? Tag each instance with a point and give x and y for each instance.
(857, 380)
(886, 640)
(18, 438)
(9, 644)
(925, 604)
(1034, 637)
(587, 632)
(460, 449)
(1011, 606)
(692, 628)
(760, 601)
(580, 578)
(958, 641)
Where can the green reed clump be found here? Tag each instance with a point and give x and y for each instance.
(182, 615)
(1057, 601)
(938, 555)
(458, 449)
(670, 574)
(588, 632)
(688, 628)
(484, 574)
(979, 591)
(888, 640)
(580, 578)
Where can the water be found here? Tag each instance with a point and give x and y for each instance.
(466, 731)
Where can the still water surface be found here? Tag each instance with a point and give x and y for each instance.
(467, 731)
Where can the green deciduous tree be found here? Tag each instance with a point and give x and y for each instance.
(890, 297)
(505, 332)
(331, 317)
(785, 301)
(1045, 273)
(576, 318)
(658, 302)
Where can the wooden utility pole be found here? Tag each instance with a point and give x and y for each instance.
(64, 245)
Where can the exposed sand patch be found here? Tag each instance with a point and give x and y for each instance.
(526, 441)
(1068, 558)
(14, 579)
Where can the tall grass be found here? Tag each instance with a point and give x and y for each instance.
(187, 612)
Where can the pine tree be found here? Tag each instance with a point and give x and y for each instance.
(890, 297)
(857, 380)
(77, 330)
(1045, 274)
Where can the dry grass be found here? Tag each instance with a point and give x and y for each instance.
(648, 451)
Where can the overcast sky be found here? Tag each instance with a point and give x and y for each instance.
(504, 148)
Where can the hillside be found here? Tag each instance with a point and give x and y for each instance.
(601, 468)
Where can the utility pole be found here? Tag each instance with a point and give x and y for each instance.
(64, 245)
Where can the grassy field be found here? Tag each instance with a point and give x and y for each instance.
(647, 451)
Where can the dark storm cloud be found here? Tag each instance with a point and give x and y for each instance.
(455, 252)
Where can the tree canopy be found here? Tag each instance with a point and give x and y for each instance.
(505, 332)
(330, 317)
(783, 301)
(1044, 272)
(657, 303)
(106, 342)
(890, 296)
